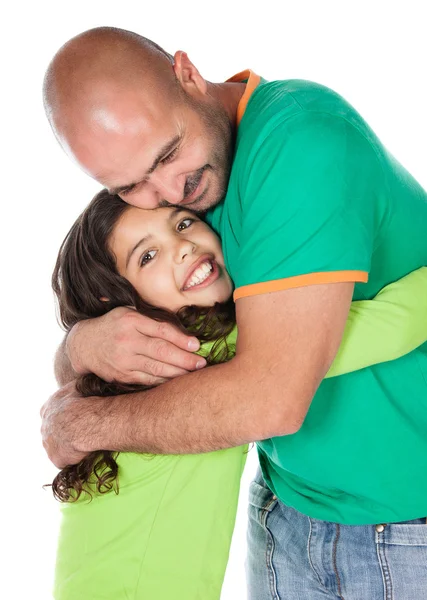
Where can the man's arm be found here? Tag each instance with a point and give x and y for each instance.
(287, 341)
(64, 372)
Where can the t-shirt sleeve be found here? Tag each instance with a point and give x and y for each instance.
(385, 328)
(308, 205)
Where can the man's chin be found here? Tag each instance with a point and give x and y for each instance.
(204, 202)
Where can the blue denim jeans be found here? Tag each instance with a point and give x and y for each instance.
(294, 557)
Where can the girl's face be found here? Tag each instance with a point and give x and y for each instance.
(171, 257)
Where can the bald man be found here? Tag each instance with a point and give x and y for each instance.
(308, 204)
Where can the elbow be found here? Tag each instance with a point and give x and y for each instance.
(280, 428)
(292, 403)
(285, 420)
(295, 398)
(274, 406)
(291, 424)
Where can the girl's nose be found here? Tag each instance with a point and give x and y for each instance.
(184, 249)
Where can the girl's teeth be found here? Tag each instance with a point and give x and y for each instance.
(200, 274)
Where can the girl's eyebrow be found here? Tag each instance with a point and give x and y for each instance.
(178, 209)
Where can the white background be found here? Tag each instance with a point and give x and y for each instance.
(373, 53)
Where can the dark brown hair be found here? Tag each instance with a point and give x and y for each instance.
(85, 272)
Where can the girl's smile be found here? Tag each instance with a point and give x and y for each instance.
(202, 274)
(171, 257)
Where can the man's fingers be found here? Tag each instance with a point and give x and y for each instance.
(144, 379)
(169, 354)
(167, 332)
(156, 368)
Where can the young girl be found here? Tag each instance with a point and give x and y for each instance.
(156, 527)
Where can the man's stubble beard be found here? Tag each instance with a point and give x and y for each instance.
(222, 151)
(219, 128)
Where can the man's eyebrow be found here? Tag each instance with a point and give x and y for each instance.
(160, 155)
(137, 245)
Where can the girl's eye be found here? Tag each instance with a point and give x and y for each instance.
(169, 157)
(147, 257)
(184, 224)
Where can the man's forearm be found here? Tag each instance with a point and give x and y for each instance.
(64, 372)
(199, 412)
(265, 391)
(220, 407)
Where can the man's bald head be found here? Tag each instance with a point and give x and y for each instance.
(120, 106)
(91, 67)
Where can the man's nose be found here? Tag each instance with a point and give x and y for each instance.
(146, 200)
(169, 188)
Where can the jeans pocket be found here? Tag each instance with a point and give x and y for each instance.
(260, 570)
(402, 555)
(260, 496)
(406, 534)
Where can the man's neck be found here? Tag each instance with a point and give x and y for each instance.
(229, 94)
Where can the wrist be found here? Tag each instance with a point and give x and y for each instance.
(83, 425)
(72, 349)
(103, 424)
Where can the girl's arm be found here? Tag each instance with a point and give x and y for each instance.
(387, 327)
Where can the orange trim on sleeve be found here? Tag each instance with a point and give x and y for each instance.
(299, 281)
(251, 85)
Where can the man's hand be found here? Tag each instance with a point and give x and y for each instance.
(57, 426)
(126, 346)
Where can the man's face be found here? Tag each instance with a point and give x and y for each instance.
(158, 153)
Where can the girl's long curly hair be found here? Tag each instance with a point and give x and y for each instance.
(85, 272)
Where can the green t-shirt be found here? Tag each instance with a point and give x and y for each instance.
(314, 197)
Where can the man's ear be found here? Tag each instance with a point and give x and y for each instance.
(188, 76)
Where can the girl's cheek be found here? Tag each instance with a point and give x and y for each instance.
(165, 284)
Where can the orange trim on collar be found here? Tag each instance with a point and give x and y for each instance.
(251, 85)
